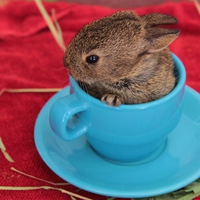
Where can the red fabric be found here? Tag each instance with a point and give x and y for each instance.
(29, 58)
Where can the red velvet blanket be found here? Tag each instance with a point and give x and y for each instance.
(30, 58)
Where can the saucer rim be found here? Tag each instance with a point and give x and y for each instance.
(96, 189)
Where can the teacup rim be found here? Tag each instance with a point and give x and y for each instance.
(180, 84)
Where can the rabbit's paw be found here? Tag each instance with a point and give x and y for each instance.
(111, 99)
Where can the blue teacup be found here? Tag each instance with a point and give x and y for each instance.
(128, 133)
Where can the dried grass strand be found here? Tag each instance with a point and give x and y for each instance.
(30, 90)
(49, 23)
(72, 198)
(18, 188)
(3, 150)
(39, 179)
(197, 5)
(59, 31)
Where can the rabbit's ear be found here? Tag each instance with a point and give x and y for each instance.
(160, 38)
(155, 19)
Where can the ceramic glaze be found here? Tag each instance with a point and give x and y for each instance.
(77, 163)
(127, 133)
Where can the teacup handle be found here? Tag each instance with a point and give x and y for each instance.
(60, 114)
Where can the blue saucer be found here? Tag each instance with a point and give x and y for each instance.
(177, 166)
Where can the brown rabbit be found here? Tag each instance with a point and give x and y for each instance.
(124, 58)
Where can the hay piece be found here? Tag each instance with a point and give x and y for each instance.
(39, 179)
(197, 5)
(29, 90)
(50, 24)
(3, 150)
(18, 188)
(59, 31)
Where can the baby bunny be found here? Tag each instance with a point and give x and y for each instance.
(124, 58)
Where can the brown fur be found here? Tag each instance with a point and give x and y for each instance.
(134, 66)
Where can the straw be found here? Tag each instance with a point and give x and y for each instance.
(3, 150)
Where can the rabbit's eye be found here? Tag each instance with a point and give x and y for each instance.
(92, 59)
